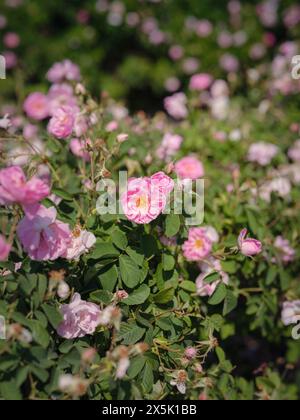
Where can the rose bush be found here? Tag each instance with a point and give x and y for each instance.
(138, 303)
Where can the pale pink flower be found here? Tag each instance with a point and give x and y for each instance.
(5, 122)
(288, 253)
(292, 16)
(203, 28)
(121, 295)
(248, 246)
(172, 84)
(176, 106)
(80, 125)
(279, 185)
(80, 318)
(170, 145)
(207, 267)
(229, 63)
(190, 65)
(291, 312)
(11, 59)
(5, 249)
(36, 106)
(43, 237)
(176, 52)
(110, 316)
(201, 81)
(122, 367)
(189, 168)
(198, 245)
(294, 152)
(63, 290)
(146, 198)
(79, 149)
(180, 380)
(112, 126)
(61, 95)
(62, 123)
(14, 188)
(121, 138)
(65, 70)
(190, 353)
(262, 153)
(72, 385)
(82, 242)
(11, 40)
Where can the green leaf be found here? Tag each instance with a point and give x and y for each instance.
(131, 333)
(148, 377)
(230, 303)
(212, 277)
(221, 354)
(136, 366)
(130, 272)
(109, 279)
(40, 334)
(119, 239)
(219, 295)
(62, 194)
(10, 391)
(138, 296)
(172, 225)
(164, 296)
(136, 255)
(53, 314)
(168, 262)
(104, 250)
(149, 246)
(189, 286)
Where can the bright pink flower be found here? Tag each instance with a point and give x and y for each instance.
(146, 198)
(189, 168)
(190, 353)
(81, 318)
(62, 123)
(15, 189)
(201, 81)
(36, 106)
(43, 237)
(61, 95)
(4, 249)
(249, 247)
(198, 246)
(79, 149)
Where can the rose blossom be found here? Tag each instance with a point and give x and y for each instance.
(189, 168)
(11, 40)
(65, 70)
(82, 242)
(248, 247)
(169, 147)
(5, 122)
(79, 149)
(207, 267)
(198, 245)
(61, 95)
(176, 106)
(291, 312)
(294, 152)
(262, 153)
(80, 318)
(4, 249)
(36, 106)
(62, 123)
(146, 198)
(190, 353)
(14, 188)
(72, 385)
(287, 252)
(200, 81)
(42, 236)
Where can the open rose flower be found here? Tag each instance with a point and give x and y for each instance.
(36, 106)
(176, 106)
(4, 249)
(146, 198)
(198, 246)
(79, 148)
(189, 168)
(43, 237)
(14, 188)
(201, 82)
(262, 153)
(80, 318)
(82, 242)
(248, 246)
(62, 122)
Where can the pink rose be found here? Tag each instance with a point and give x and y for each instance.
(198, 246)
(207, 267)
(201, 81)
(11, 40)
(189, 168)
(171, 144)
(60, 95)
(4, 249)
(82, 242)
(65, 70)
(62, 123)
(288, 253)
(190, 353)
(294, 152)
(15, 189)
(176, 106)
(146, 198)
(249, 247)
(43, 237)
(262, 153)
(81, 318)
(36, 106)
(79, 149)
